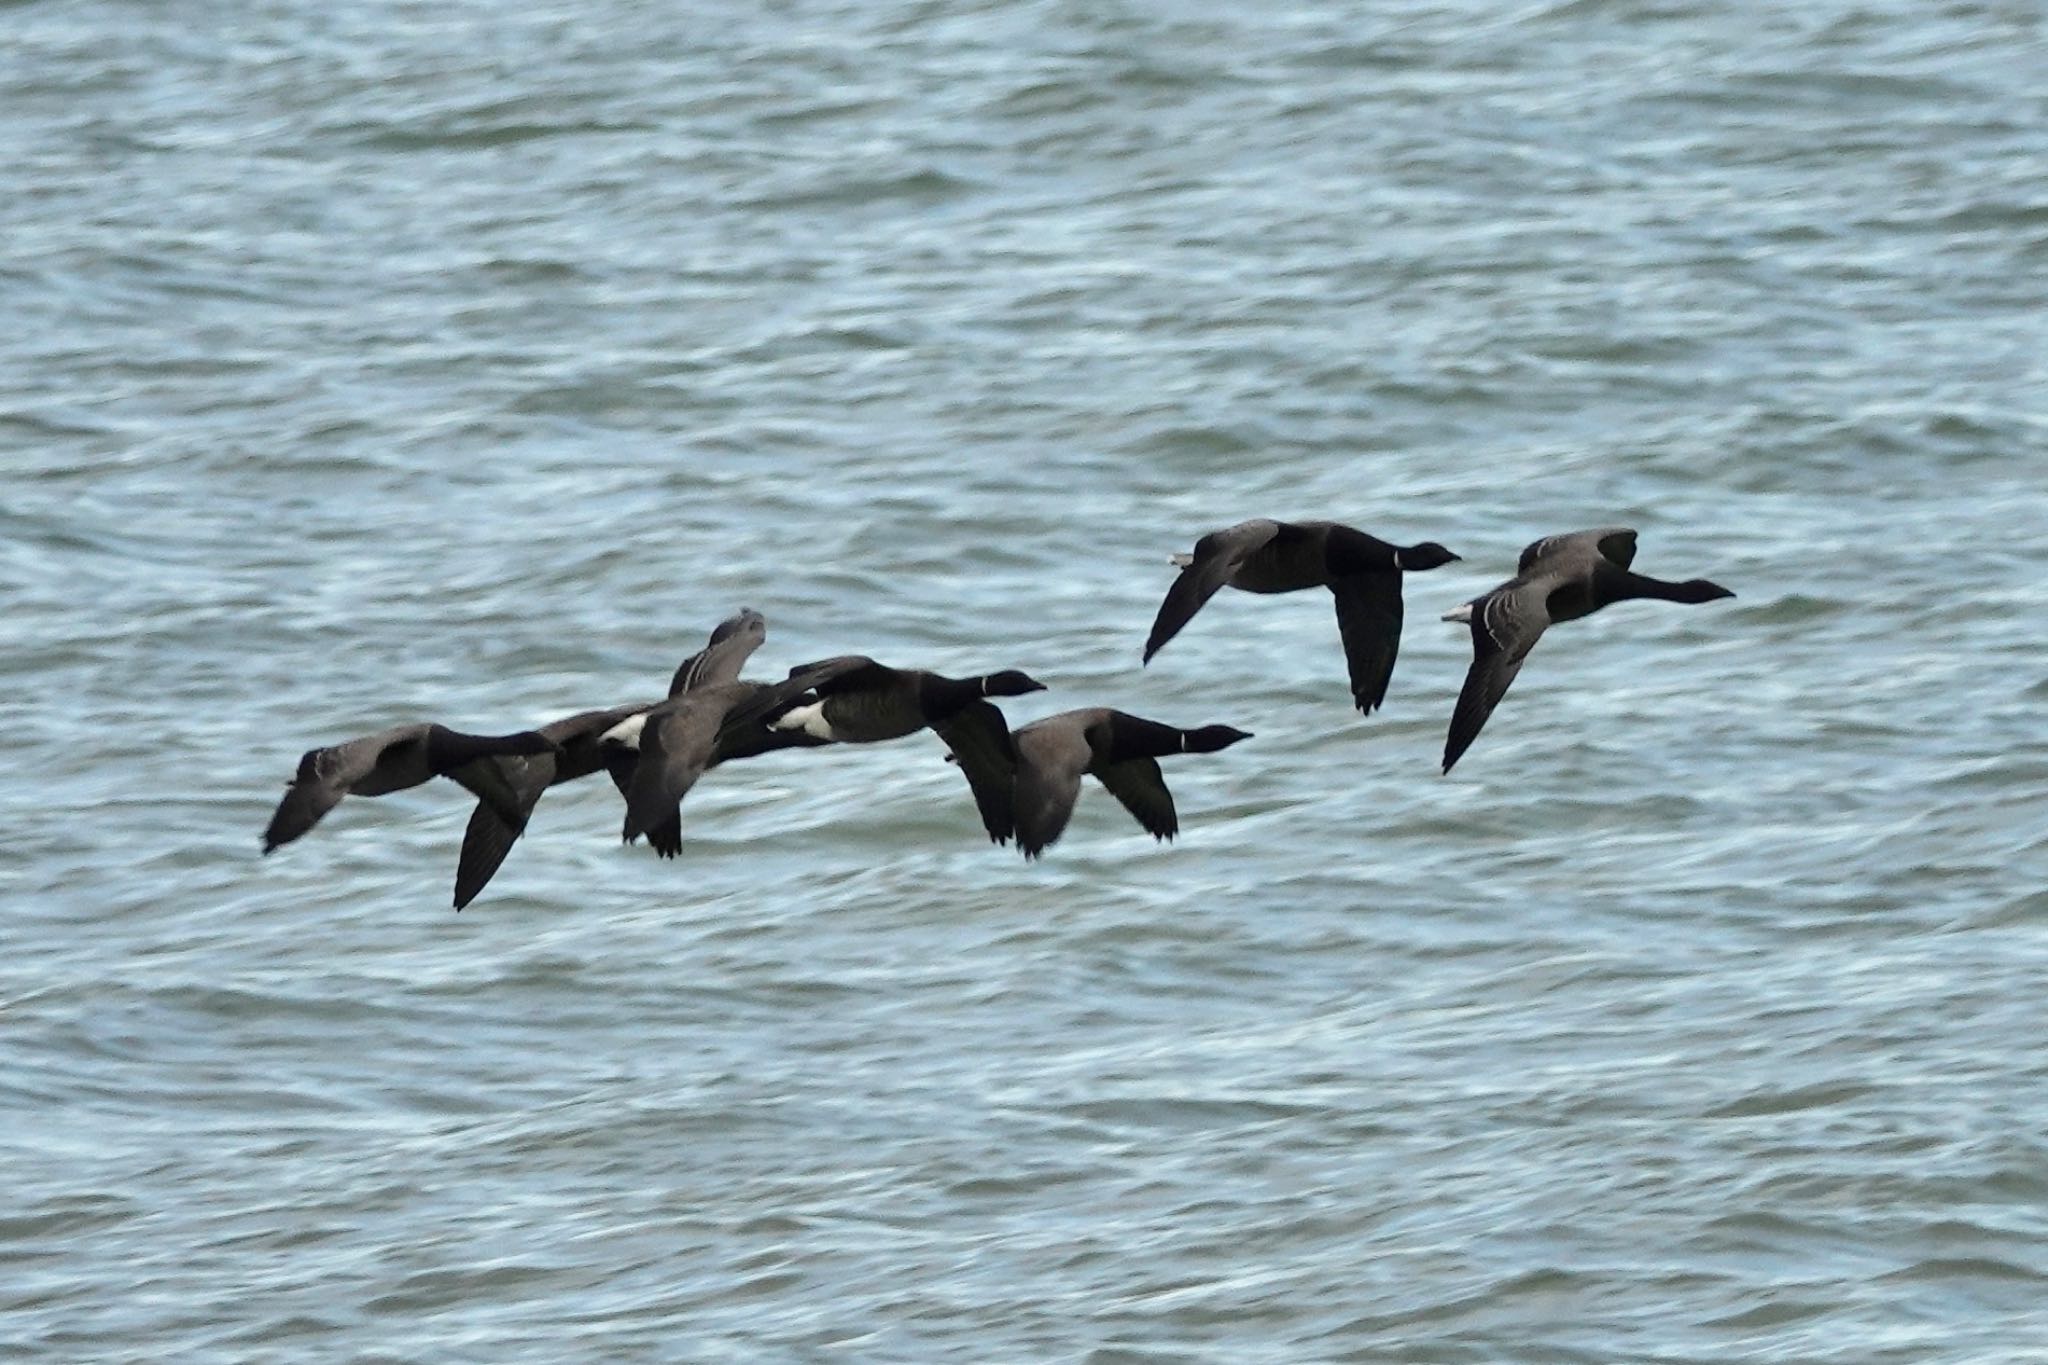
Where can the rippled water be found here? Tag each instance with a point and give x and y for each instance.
(380, 361)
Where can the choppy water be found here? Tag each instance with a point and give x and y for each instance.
(376, 361)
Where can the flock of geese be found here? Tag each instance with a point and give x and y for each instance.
(1024, 782)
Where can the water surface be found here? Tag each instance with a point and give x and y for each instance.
(378, 361)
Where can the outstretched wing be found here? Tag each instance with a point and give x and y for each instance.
(846, 671)
(675, 748)
(1369, 619)
(980, 740)
(301, 807)
(765, 703)
(1506, 623)
(1216, 557)
(1052, 755)
(1138, 783)
(326, 775)
(1616, 544)
(489, 835)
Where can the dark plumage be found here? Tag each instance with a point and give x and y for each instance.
(733, 641)
(492, 831)
(854, 700)
(858, 701)
(393, 760)
(1559, 578)
(1362, 572)
(582, 750)
(676, 741)
(1029, 785)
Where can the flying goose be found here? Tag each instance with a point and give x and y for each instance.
(854, 700)
(582, 751)
(670, 746)
(1559, 578)
(1361, 571)
(1029, 784)
(393, 760)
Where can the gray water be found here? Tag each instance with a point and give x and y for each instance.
(370, 362)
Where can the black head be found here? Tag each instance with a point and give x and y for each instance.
(1210, 738)
(1010, 682)
(1427, 555)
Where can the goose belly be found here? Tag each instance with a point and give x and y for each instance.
(1277, 573)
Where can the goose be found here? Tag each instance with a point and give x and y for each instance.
(581, 750)
(1558, 578)
(1029, 784)
(1361, 571)
(670, 747)
(854, 700)
(393, 760)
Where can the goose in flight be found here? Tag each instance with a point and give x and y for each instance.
(854, 700)
(394, 760)
(1362, 572)
(581, 751)
(1559, 578)
(1029, 784)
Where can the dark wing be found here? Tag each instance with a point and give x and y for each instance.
(720, 661)
(675, 748)
(980, 740)
(1615, 543)
(1217, 556)
(1138, 783)
(753, 741)
(324, 776)
(620, 763)
(1506, 623)
(765, 703)
(304, 802)
(1619, 546)
(1044, 804)
(1050, 760)
(493, 785)
(490, 836)
(665, 836)
(1369, 619)
(847, 673)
